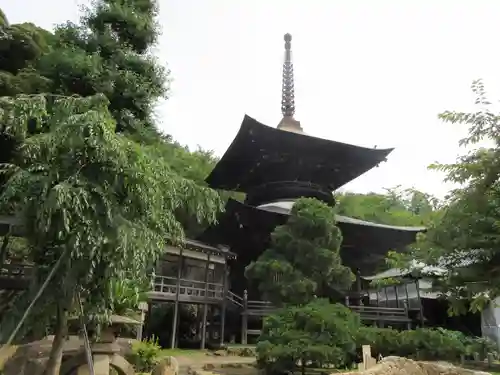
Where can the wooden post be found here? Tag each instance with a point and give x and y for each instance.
(421, 308)
(224, 303)
(176, 304)
(358, 285)
(490, 359)
(244, 319)
(407, 297)
(205, 307)
(347, 301)
(396, 295)
(408, 324)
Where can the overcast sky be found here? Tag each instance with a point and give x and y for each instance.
(366, 72)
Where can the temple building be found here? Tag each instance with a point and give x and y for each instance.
(275, 166)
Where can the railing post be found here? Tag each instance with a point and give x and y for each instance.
(153, 281)
(244, 319)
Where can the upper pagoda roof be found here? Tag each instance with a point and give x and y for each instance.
(260, 154)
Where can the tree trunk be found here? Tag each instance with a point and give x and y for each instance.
(61, 331)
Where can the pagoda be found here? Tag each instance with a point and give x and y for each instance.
(275, 166)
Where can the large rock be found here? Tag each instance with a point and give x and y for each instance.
(30, 359)
(167, 366)
(405, 366)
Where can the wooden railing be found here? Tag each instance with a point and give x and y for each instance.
(382, 315)
(168, 285)
(259, 308)
(235, 299)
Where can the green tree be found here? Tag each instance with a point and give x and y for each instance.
(109, 52)
(303, 258)
(95, 204)
(404, 207)
(317, 334)
(21, 47)
(466, 241)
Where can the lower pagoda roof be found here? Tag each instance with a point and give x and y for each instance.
(262, 153)
(246, 230)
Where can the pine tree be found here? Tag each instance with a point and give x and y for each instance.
(110, 52)
(304, 257)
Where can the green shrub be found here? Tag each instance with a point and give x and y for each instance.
(482, 346)
(428, 343)
(145, 355)
(436, 344)
(383, 341)
(314, 335)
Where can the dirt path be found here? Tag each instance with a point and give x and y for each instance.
(202, 359)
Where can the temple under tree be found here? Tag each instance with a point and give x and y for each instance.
(272, 167)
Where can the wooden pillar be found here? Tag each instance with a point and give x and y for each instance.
(347, 301)
(406, 291)
(224, 303)
(358, 285)
(421, 308)
(408, 324)
(176, 304)
(396, 294)
(244, 319)
(205, 307)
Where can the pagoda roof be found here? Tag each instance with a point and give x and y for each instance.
(260, 154)
(365, 244)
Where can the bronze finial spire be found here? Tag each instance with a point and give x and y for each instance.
(288, 92)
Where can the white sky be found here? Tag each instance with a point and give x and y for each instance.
(367, 72)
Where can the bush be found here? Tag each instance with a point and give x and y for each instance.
(315, 335)
(145, 355)
(383, 341)
(427, 343)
